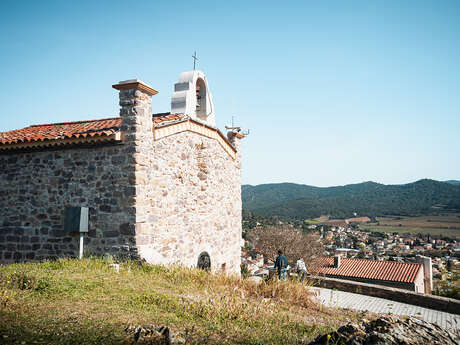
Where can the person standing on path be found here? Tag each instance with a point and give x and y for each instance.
(281, 264)
(301, 269)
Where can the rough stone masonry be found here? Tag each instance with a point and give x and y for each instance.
(390, 330)
(163, 188)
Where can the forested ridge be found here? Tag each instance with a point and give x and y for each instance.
(296, 201)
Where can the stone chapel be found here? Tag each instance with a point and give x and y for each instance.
(164, 188)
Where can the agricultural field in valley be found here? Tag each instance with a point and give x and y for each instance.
(445, 225)
(449, 221)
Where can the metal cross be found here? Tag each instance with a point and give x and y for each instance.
(194, 60)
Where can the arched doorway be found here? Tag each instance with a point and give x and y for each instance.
(204, 261)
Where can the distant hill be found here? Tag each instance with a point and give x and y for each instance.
(290, 200)
(455, 182)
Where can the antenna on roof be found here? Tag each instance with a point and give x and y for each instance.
(236, 129)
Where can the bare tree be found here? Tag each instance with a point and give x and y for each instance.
(293, 242)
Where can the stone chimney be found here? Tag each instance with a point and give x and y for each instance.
(337, 261)
(136, 105)
(137, 128)
(427, 272)
(136, 112)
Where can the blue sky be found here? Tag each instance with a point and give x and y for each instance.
(334, 92)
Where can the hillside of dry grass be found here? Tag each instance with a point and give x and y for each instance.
(86, 302)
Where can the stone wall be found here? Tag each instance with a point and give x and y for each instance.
(165, 201)
(448, 305)
(194, 204)
(181, 199)
(36, 187)
(187, 190)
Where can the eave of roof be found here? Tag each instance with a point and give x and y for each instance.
(62, 130)
(45, 144)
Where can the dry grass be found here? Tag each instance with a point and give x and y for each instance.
(290, 293)
(85, 302)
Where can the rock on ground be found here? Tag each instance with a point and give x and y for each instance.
(390, 330)
(153, 335)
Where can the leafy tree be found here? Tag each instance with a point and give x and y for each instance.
(449, 287)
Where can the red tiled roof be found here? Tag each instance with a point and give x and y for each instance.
(64, 130)
(368, 269)
(76, 129)
(166, 117)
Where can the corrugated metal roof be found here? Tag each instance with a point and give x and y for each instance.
(368, 269)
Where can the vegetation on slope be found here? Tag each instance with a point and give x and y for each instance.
(290, 201)
(86, 302)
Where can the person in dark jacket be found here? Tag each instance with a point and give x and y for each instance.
(281, 265)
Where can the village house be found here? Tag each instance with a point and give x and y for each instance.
(404, 275)
(164, 188)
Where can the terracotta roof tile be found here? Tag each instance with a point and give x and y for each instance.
(63, 130)
(368, 269)
(166, 117)
(76, 129)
